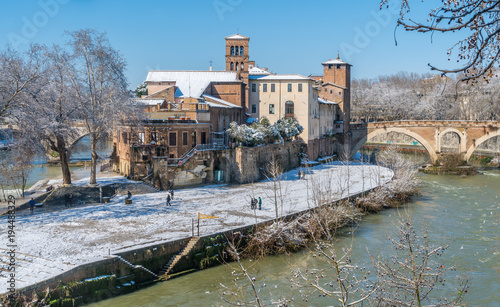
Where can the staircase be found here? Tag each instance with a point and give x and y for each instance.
(147, 180)
(173, 261)
(137, 266)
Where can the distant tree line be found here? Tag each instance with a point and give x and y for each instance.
(411, 96)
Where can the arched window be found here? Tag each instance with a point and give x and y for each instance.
(289, 109)
(236, 66)
(236, 50)
(232, 66)
(242, 66)
(232, 50)
(241, 50)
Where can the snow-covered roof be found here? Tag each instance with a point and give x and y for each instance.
(149, 101)
(254, 70)
(191, 83)
(282, 77)
(219, 102)
(326, 101)
(336, 61)
(236, 36)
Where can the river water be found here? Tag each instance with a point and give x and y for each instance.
(461, 212)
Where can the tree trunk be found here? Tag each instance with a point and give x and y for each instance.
(64, 159)
(93, 162)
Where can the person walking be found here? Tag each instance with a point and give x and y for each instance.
(168, 199)
(299, 174)
(129, 195)
(32, 205)
(252, 203)
(70, 199)
(172, 193)
(303, 175)
(260, 203)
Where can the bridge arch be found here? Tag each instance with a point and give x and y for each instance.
(416, 136)
(479, 141)
(463, 140)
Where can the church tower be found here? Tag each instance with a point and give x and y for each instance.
(237, 55)
(237, 59)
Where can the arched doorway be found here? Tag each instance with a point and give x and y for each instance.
(222, 170)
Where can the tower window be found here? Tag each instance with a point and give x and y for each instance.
(242, 66)
(300, 87)
(338, 66)
(330, 91)
(241, 50)
(254, 87)
(236, 66)
(254, 108)
(271, 109)
(264, 87)
(236, 51)
(232, 50)
(273, 88)
(289, 87)
(330, 66)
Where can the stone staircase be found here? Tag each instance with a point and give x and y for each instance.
(137, 266)
(173, 261)
(147, 180)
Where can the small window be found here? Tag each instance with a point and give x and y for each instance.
(232, 50)
(242, 66)
(340, 93)
(264, 87)
(338, 66)
(325, 89)
(172, 139)
(184, 138)
(141, 137)
(241, 50)
(236, 51)
(331, 91)
(300, 87)
(271, 109)
(289, 87)
(154, 136)
(273, 88)
(232, 66)
(254, 87)
(254, 108)
(124, 137)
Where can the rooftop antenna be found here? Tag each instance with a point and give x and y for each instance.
(338, 55)
(210, 65)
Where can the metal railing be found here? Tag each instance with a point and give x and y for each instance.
(189, 154)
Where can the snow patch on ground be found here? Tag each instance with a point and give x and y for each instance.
(51, 242)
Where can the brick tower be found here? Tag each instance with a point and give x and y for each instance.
(237, 58)
(337, 74)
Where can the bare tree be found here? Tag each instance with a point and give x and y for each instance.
(98, 78)
(411, 276)
(274, 173)
(480, 49)
(48, 116)
(19, 71)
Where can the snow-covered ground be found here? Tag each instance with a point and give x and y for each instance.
(52, 241)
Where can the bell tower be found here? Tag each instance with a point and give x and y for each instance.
(237, 55)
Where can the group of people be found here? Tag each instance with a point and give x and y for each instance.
(302, 175)
(49, 188)
(170, 197)
(254, 202)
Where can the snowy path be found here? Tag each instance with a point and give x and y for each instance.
(51, 242)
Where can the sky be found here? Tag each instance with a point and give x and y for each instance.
(288, 37)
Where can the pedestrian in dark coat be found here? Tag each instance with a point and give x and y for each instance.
(260, 203)
(299, 174)
(172, 193)
(32, 205)
(252, 203)
(168, 199)
(129, 195)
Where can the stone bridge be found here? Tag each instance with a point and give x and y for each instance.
(429, 133)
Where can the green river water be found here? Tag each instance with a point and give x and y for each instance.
(461, 212)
